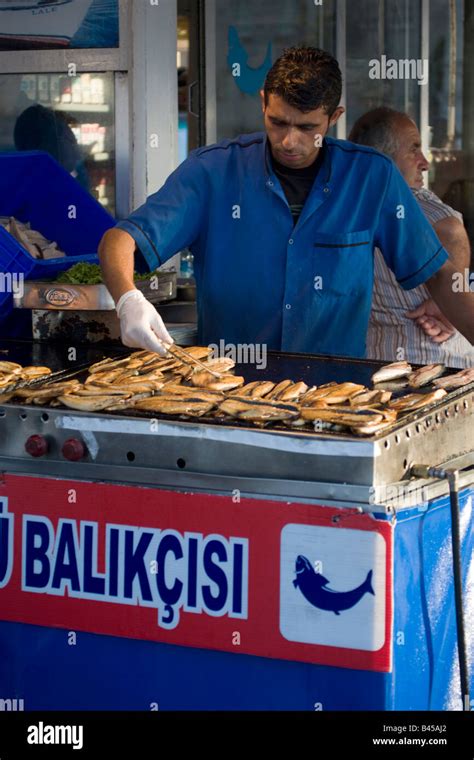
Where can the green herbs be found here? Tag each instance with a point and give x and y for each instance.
(81, 274)
(90, 274)
(145, 276)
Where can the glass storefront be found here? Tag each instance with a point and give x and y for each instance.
(249, 37)
(377, 32)
(72, 118)
(450, 105)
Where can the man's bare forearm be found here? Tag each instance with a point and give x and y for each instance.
(116, 256)
(453, 237)
(458, 307)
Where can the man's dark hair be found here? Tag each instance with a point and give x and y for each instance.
(376, 128)
(306, 78)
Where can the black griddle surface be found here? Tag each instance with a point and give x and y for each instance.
(56, 356)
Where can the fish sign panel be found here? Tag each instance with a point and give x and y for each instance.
(255, 576)
(338, 585)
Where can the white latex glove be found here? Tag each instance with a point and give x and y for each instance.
(140, 324)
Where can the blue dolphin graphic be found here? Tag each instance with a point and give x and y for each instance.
(250, 80)
(313, 586)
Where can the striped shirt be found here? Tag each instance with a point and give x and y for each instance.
(393, 336)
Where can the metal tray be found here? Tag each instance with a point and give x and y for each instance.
(59, 297)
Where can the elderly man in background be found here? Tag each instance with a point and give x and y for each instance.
(407, 324)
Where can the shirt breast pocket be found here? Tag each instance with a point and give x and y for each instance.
(343, 262)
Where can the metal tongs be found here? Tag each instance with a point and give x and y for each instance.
(179, 353)
(39, 381)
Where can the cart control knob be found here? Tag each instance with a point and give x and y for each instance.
(73, 449)
(36, 446)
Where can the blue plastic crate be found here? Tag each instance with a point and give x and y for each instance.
(35, 188)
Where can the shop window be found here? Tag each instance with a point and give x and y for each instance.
(182, 64)
(72, 118)
(253, 35)
(451, 103)
(378, 32)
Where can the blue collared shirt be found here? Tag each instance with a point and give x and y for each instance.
(259, 279)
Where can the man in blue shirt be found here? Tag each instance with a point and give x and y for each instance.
(282, 226)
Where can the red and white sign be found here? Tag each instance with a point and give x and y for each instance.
(267, 578)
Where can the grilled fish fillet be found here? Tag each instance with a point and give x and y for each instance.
(405, 402)
(425, 375)
(40, 395)
(204, 379)
(430, 398)
(252, 409)
(184, 391)
(225, 383)
(87, 403)
(416, 400)
(343, 415)
(393, 385)
(53, 389)
(279, 388)
(293, 391)
(108, 377)
(220, 364)
(160, 365)
(106, 365)
(314, 394)
(110, 364)
(10, 367)
(155, 375)
(391, 372)
(266, 414)
(198, 352)
(457, 380)
(143, 354)
(365, 398)
(127, 387)
(91, 391)
(201, 378)
(175, 405)
(101, 366)
(248, 388)
(184, 372)
(262, 388)
(10, 379)
(337, 394)
(370, 429)
(257, 389)
(32, 372)
(127, 403)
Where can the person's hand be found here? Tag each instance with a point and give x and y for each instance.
(140, 324)
(429, 317)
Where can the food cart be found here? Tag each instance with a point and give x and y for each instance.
(151, 562)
